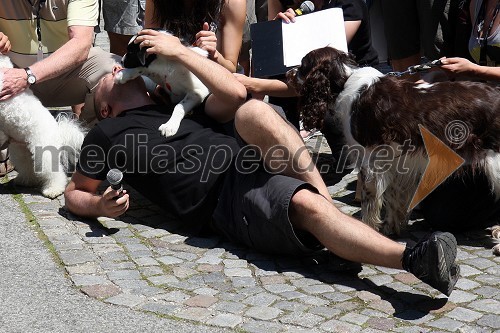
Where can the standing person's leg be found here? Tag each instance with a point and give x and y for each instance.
(435, 27)
(402, 32)
(122, 20)
(258, 124)
(261, 10)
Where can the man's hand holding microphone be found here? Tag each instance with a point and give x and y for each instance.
(115, 200)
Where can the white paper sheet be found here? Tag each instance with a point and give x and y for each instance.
(313, 31)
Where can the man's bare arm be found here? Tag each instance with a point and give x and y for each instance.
(81, 198)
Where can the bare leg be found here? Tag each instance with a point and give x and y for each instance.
(258, 124)
(341, 234)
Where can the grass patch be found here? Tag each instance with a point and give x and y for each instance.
(30, 217)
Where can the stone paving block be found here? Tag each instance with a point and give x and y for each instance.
(279, 288)
(490, 320)
(162, 279)
(466, 284)
(318, 289)
(183, 272)
(173, 296)
(225, 320)
(209, 259)
(355, 318)
(131, 284)
(202, 301)
(102, 249)
(463, 314)
(230, 307)
(303, 319)
(459, 296)
(69, 246)
(339, 326)
(89, 280)
(467, 270)
(75, 257)
(480, 263)
(169, 260)
(263, 312)
(206, 291)
(261, 299)
(337, 297)
(383, 324)
(101, 291)
(240, 272)
(446, 324)
(126, 300)
(312, 300)
(254, 326)
(195, 314)
(124, 275)
(239, 282)
(113, 265)
(87, 268)
(486, 305)
(160, 308)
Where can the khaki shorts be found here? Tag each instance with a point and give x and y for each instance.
(72, 88)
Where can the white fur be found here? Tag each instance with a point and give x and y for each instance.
(187, 91)
(393, 189)
(30, 129)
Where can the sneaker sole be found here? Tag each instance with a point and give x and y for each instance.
(447, 269)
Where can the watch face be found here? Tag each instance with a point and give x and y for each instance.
(31, 79)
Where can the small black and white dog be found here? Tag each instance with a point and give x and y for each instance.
(183, 87)
(376, 110)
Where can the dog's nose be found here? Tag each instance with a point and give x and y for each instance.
(116, 69)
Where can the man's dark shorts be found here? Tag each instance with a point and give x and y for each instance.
(253, 209)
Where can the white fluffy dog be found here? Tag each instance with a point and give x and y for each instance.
(41, 148)
(183, 87)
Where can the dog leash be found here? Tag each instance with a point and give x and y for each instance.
(417, 68)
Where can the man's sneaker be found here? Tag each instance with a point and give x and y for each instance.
(433, 261)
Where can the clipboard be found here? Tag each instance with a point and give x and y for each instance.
(278, 46)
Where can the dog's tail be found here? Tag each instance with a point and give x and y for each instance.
(72, 134)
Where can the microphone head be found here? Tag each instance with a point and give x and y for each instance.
(307, 7)
(114, 177)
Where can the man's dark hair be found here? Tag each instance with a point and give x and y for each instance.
(172, 16)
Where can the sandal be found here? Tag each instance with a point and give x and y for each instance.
(6, 167)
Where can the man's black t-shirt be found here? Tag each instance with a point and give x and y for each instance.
(182, 173)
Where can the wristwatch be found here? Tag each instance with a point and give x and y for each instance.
(31, 77)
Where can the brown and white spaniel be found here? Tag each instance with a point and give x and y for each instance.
(381, 115)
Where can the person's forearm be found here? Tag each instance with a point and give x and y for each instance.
(271, 87)
(218, 79)
(67, 57)
(488, 73)
(83, 203)
(228, 64)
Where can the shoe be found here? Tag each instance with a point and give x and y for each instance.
(433, 261)
(5, 167)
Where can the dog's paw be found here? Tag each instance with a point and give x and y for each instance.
(52, 191)
(496, 250)
(168, 129)
(495, 231)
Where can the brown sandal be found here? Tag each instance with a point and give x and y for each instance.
(5, 167)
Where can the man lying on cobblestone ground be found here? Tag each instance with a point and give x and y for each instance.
(208, 179)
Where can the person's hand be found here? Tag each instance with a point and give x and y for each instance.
(206, 40)
(159, 43)
(458, 66)
(247, 81)
(110, 206)
(287, 17)
(14, 81)
(4, 43)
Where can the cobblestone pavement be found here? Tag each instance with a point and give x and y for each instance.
(140, 262)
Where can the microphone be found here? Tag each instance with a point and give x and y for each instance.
(115, 178)
(305, 8)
